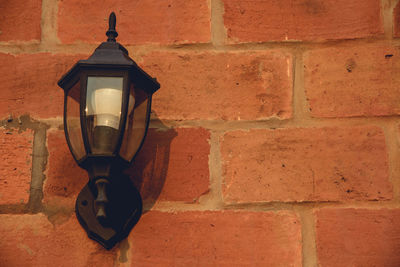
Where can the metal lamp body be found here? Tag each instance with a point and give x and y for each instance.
(109, 205)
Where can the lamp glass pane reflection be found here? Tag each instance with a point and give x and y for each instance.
(103, 112)
(73, 122)
(136, 124)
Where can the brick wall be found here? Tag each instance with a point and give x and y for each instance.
(274, 140)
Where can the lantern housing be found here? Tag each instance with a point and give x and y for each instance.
(107, 108)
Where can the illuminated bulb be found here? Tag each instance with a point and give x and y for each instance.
(106, 103)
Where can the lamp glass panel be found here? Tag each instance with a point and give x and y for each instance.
(136, 125)
(73, 122)
(103, 112)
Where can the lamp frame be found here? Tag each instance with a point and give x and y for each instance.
(109, 205)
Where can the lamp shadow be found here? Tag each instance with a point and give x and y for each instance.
(149, 169)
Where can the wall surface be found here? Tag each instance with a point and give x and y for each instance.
(274, 140)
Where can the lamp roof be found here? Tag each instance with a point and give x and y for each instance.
(111, 55)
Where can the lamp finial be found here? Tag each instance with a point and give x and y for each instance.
(112, 33)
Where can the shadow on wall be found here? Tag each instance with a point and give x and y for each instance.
(150, 166)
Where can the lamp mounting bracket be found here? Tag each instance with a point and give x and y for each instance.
(123, 211)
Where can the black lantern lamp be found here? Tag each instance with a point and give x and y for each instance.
(106, 115)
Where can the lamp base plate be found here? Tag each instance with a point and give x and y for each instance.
(124, 211)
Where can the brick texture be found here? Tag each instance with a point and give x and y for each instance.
(20, 20)
(173, 165)
(15, 167)
(273, 138)
(353, 81)
(216, 239)
(305, 164)
(309, 20)
(31, 240)
(29, 84)
(396, 20)
(64, 178)
(138, 22)
(222, 86)
(358, 237)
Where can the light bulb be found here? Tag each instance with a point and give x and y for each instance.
(106, 103)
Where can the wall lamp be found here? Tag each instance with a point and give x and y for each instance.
(107, 107)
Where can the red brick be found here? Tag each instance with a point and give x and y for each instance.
(310, 20)
(31, 240)
(20, 20)
(223, 238)
(29, 84)
(64, 178)
(396, 20)
(362, 81)
(358, 237)
(227, 86)
(138, 22)
(15, 168)
(173, 165)
(306, 164)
